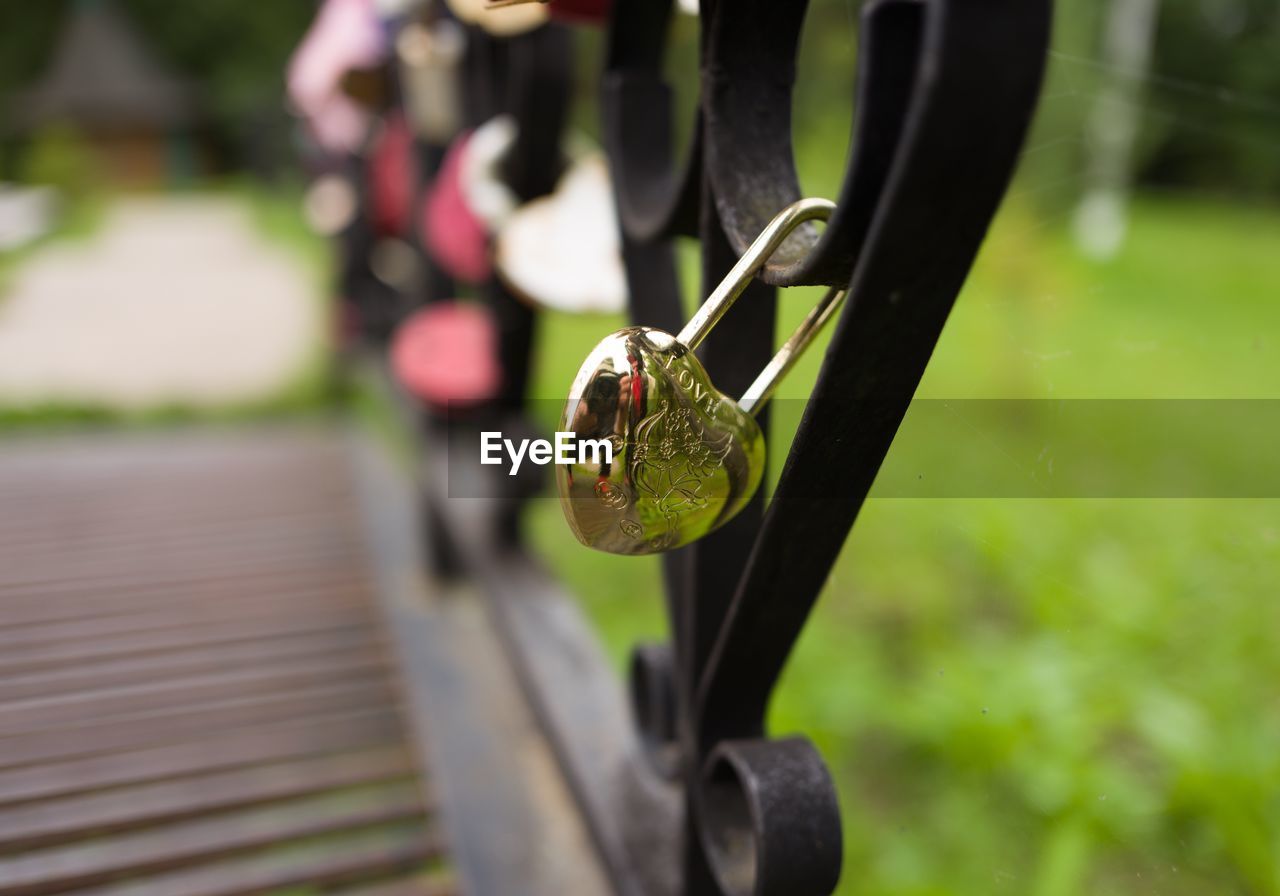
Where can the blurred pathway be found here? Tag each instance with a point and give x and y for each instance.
(176, 301)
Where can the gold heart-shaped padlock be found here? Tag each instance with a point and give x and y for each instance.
(684, 457)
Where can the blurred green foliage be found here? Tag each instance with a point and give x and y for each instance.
(234, 50)
(1215, 100)
(1211, 99)
(237, 51)
(1212, 116)
(57, 157)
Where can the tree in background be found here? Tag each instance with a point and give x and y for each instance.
(234, 50)
(1111, 130)
(1215, 97)
(1210, 115)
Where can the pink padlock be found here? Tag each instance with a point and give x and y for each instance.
(469, 201)
(456, 239)
(391, 177)
(447, 354)
(344, 35)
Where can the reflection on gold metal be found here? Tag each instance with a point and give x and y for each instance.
(687, 457)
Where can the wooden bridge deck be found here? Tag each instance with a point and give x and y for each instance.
(195, 691)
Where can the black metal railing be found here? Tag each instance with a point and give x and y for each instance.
(945, 93)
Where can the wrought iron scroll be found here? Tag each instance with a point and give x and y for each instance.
(945, 92)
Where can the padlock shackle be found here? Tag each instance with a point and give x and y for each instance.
(750, 264)
(762, 389)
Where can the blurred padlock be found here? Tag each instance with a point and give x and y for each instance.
(586, 12)
(561, 252)
(345, 36)
(481, 176)
(392, 173)
(467, 200)
(446, 355)
(664, 457)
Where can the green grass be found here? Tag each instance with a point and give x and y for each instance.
(1042, 697)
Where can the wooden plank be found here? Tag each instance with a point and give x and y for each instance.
(116, 671)
(149, 498)
(77, 479)
(75, 483)
(47, 713)
(130, 536)
(141, 568)
(54, 601)
(108, 517)
(29, 657)
(56, 821)
(435, 885)
(356, 856)
(175, 582)
(251, 521)
(283, 602)
(26, 756)
(155, 449)
(195, 698)
(129, 539)
(174, 845)
(41, 527)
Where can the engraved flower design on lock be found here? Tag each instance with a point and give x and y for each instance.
(671, 461)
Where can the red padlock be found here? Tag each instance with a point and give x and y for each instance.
(447, 355)
(469, 201)
(456, 239)
(583, 12)
(392, 177)
(586, 12)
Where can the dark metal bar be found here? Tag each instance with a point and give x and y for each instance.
(975, 94)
